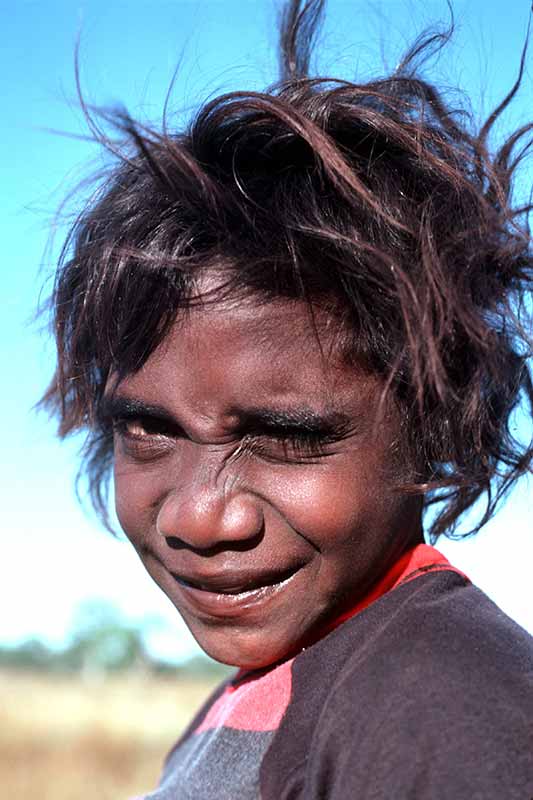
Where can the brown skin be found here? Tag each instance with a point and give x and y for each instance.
(213, 498)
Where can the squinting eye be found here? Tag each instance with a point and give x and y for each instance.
(134, 428)
(138, 427)
(144, 437)
(291, 447)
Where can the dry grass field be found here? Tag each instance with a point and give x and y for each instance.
(64, 738)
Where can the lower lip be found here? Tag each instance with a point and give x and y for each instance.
(217, 604)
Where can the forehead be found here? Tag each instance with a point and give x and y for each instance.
(265, 328)
(235, 351)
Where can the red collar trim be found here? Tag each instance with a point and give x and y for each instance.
(414, 562)
(417, 561)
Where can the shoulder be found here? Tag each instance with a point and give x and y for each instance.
(438, 627)
(428, 693)
(438, 645)
(437, 632)
(441, 702)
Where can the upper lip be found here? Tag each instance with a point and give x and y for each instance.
(233, 582)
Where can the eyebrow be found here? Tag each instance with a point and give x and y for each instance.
(303, 418)
(297, 418)
(113, 405)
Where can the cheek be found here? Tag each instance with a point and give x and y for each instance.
(339, 506)
(136, 498)
(323, 500)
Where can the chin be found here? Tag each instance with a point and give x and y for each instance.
(248, 651)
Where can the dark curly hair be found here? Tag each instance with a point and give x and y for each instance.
(375, 196)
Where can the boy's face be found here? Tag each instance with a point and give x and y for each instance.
(252, 480)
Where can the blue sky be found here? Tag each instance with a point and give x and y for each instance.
(54, 554)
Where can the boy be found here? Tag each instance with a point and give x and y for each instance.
(289, 330)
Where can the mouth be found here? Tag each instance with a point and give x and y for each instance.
(234, 584)
(232, 594)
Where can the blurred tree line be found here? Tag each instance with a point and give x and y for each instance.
(101, 640)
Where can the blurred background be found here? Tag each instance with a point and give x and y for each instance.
(97, 673)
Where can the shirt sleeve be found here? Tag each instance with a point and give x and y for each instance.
(430, 727)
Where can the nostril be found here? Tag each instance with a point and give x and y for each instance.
(174, 542)
(237, 545)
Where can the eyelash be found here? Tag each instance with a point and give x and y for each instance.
(149, 425)
(153, 441)
(296, 445)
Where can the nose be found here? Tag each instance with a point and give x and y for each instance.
(204, 517)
